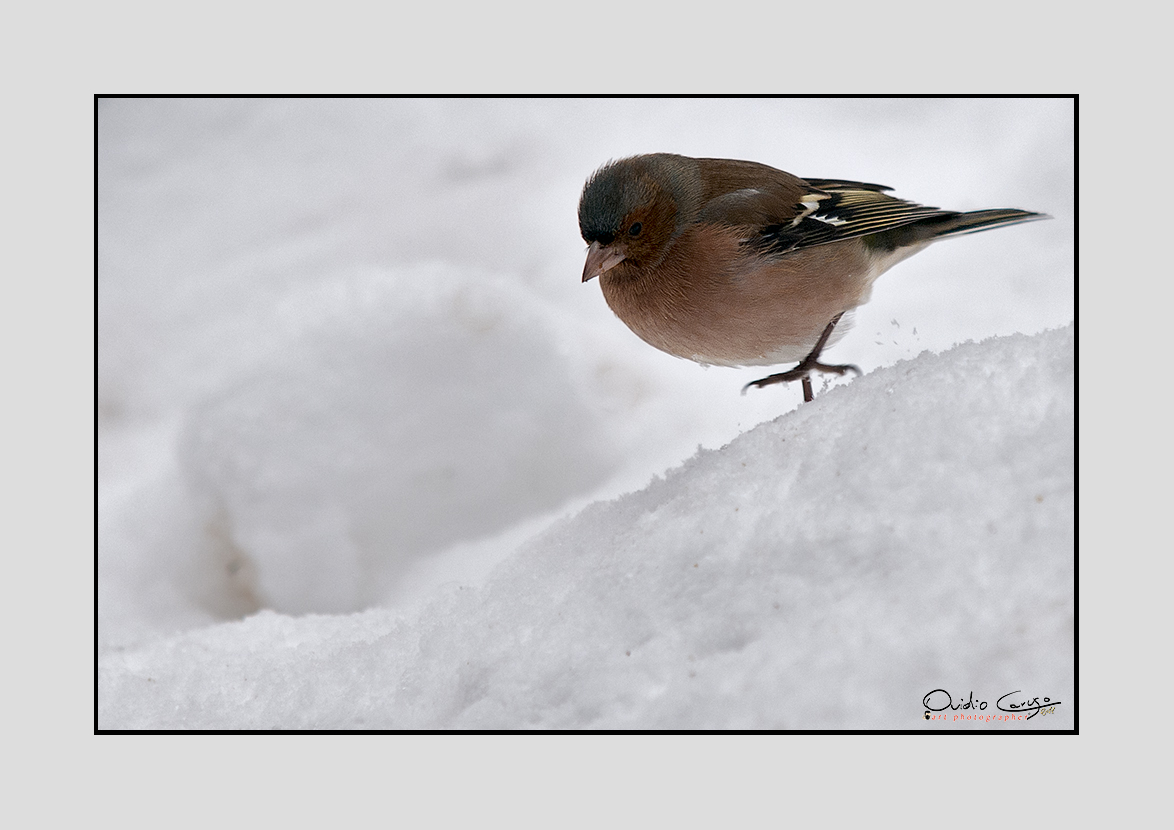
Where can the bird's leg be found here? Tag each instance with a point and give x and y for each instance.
(808, 365)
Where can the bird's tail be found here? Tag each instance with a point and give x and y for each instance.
(955, 224)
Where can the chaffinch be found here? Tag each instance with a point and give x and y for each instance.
(735, 263)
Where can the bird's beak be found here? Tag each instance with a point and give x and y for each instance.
(600, 260)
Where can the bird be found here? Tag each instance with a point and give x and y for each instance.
(736, 263)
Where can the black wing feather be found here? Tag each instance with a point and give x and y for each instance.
(847, 210)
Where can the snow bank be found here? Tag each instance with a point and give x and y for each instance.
(909, 531)
(419, 408)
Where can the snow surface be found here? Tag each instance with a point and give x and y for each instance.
(371, 457)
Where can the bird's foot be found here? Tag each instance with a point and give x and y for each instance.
(803, 372)
(808, 365)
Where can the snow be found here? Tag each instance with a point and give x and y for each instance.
(370, 456)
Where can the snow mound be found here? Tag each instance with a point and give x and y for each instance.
(907, 532)
(406, 411)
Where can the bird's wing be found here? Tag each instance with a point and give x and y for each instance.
(828, 210)
(837, 210)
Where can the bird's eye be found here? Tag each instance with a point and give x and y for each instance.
(635, 229)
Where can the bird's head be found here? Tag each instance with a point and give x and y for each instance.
(629, 213)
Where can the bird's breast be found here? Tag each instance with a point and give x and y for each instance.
(715, 300)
